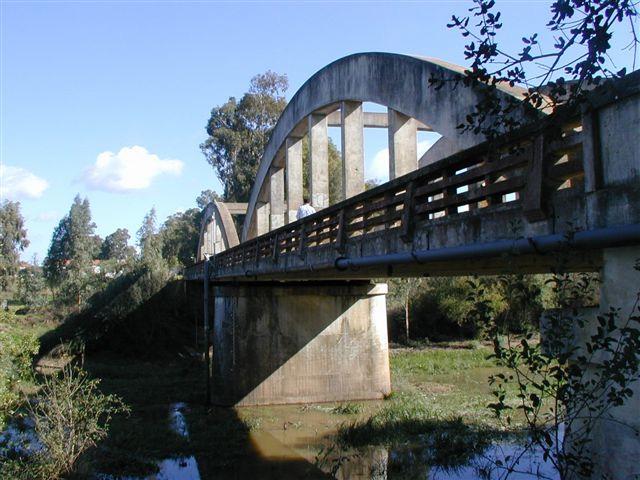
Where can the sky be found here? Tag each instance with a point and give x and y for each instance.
(110, 99)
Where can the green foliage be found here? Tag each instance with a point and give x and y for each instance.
(238, 132)
(580, 33)
(557, 383)
(206, 197)
(116, 246)
(13, 240)
(71, 416)
(402, 291)
(446, 305)
(31, 289)
(16, 354)
(149, 240)
(179, 236)
(69, 261)
(458, 307)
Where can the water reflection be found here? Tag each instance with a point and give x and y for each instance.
(411, 462)
(19, 439)
(181, 468)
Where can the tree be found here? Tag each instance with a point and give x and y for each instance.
(239, 131)
(69, 261)
(13, 240)
(404, 289)
(581, 30)
(116, 246)
(31, 289)
(179, 236)
(206, 197)
(148, 238)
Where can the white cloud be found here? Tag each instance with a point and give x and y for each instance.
(379, 168)
(132, 168)
(380, 165)
(47, 216)
(16, 183)
(425, 145)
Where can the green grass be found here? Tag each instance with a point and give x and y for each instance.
(435, 361)
(406, 419)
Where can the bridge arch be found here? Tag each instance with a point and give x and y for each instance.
(334, 96)
(217, 231)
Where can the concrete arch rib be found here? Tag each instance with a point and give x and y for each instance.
(399, 82)
(217, 231)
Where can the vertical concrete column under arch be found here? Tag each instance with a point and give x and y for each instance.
(276, 199)
(262, 218)
(352, 129)
(319, 160)
(293, 174)
(403, 144)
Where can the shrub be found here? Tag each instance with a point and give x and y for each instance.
(70, 416)
(16, 354)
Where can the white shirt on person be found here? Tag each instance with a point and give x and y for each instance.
(304, 211)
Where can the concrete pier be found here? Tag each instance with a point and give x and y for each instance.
(311, 342)
(615, 448)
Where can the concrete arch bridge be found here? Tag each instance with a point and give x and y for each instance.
(295, 317)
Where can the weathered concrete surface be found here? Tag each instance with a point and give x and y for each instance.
(300, 343)
(276, 199)
(403, 144)
(263, 211)
(318, 160)
(293, 177)
(352, 136)
(217, 231)
(400, 82)
(615, 448)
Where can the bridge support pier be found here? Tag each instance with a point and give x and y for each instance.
(615, 447)
(297, 343)
(613, 443)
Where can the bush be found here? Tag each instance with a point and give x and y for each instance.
(16, 354)
(446, 308)
(70, 416)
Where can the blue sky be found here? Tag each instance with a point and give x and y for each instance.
(110, 99)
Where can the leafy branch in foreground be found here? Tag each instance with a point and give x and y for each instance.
(582, 32)
(569, 382)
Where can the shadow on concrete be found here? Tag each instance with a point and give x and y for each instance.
(258, 329)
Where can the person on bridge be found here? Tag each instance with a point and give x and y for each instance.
(305, 209)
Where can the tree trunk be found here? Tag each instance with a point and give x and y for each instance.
(406, 318)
